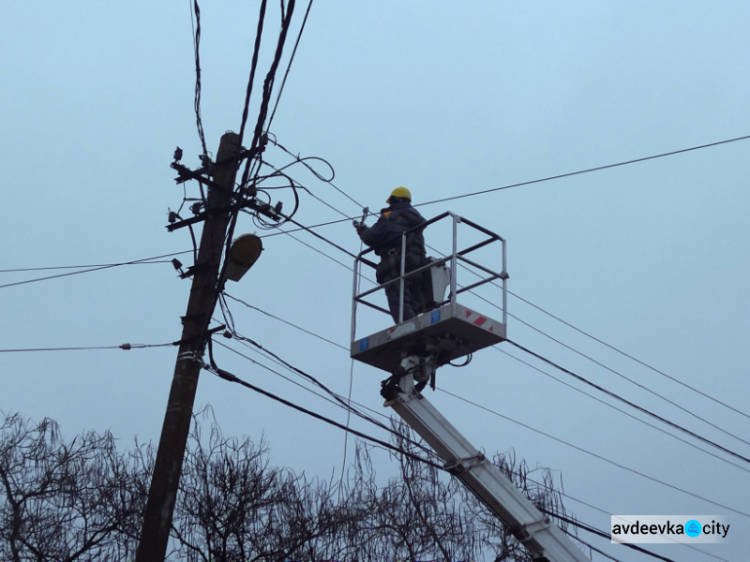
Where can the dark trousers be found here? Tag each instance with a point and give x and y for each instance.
(412, 287)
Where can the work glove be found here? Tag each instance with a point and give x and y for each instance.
(359, 227)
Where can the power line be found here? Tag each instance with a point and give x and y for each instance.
(607, 392)
(612, 370)
(380, 414)
(600, 363)
(196, 50)
(607, 536)
(125, 346)
(576, 351)
(289, 66)
(639, 385)
(603, 534)
(639, 420)
(609, 513)
(563, 441)
(621, 352)
(96, 268)
(339, 400)
(348, 252)
(586, 171)
(267, 83)
(308, 228)
(322, 253)
(259, 364)
(286, 322)
(324, 239)
(629, 403)
(589, 335)
(336, 402)
(313, 248)
(588, 528)
(317, 175)
(577, 448)
(98, 265)
(253, 68)
(294, 183)
(233, 378)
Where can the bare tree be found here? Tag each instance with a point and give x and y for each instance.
(62, 501)
(83, 500)
(234, 506)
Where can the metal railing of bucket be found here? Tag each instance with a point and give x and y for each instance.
(457, 255)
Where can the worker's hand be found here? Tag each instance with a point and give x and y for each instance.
(359, 227)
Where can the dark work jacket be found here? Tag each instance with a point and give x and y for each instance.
(386, 233)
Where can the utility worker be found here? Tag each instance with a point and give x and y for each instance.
(385, 238)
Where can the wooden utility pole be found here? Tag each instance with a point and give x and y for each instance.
(203, 294)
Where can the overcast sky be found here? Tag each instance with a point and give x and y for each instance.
(446, 98)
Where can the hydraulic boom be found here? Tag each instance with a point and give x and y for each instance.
(543, 539)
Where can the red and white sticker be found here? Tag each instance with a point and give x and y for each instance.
(479, 320)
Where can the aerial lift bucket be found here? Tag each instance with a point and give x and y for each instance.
(448, 330)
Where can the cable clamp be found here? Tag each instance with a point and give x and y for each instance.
(194, 356)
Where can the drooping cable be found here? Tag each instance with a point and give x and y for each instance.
(331, 400)
(232, 378)
(315, 173)
(337, 397)
(349, 396)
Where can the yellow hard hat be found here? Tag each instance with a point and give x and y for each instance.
(400, 191)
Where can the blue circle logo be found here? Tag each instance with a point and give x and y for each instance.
(693, 528)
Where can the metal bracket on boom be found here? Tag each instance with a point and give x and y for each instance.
(459, 466)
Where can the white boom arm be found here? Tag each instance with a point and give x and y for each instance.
(543, 539)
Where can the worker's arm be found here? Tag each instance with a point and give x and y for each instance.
(378, 234)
